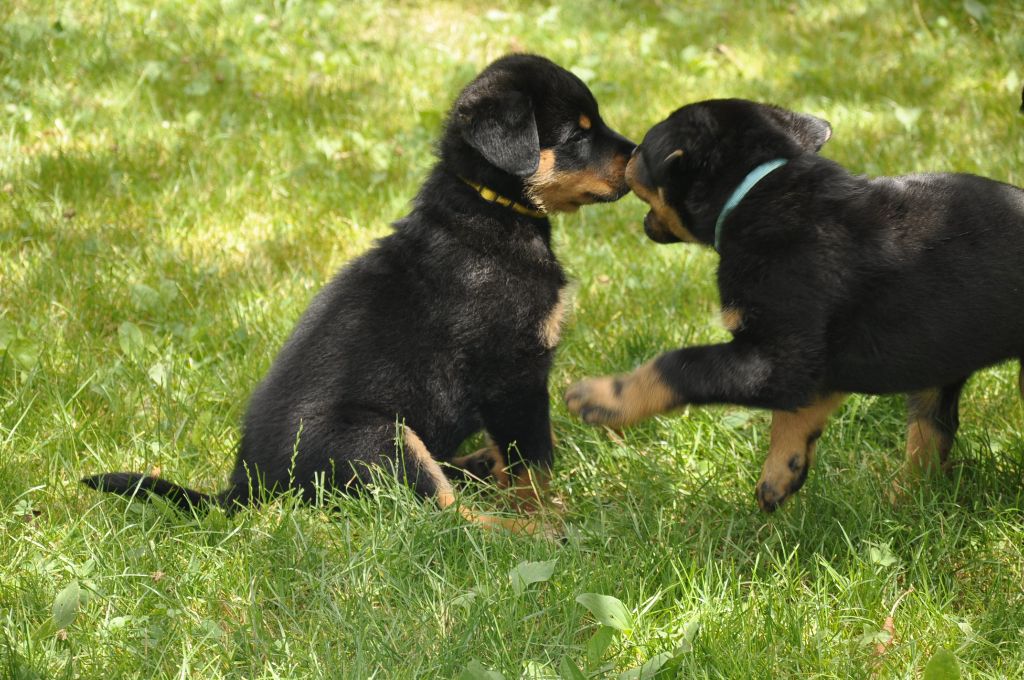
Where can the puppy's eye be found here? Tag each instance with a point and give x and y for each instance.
(577, 135)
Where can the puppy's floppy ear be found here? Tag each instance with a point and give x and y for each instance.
(809, 132)
(502, 128)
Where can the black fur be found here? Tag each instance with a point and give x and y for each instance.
(438, 326)
(845, 283)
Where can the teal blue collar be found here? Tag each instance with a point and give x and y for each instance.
(752, 178)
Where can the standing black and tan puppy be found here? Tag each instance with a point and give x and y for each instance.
(830, 283)
(448, 325)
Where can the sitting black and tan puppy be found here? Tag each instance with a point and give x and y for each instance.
(448, 325)
(830, 283)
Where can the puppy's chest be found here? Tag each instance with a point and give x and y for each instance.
(522, 310)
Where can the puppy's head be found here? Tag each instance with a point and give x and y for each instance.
(532, 129)
(688, 164)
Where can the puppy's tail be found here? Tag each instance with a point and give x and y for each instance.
(131, 483)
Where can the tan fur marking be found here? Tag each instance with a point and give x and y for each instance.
(446, 496)
(551, 327)
(496, 463)
(554, 190)
(665, 218)
(793, 435)
(531, 486)
(415, 447)
(585, 121)
(732, 318)
(546, 165)
(643, 394)
(925, 442)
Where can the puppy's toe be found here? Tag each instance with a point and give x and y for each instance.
(594, 400)
(551, 531)
(769, 498)
(576, 396)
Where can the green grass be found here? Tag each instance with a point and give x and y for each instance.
(178, 178)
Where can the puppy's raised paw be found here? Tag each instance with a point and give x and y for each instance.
(598, 401)
(621, 400)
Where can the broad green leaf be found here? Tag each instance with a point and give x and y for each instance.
(130, 338)
(690, 630)
(65, 605)
(199, 86)
(168, 288)
(475, 671)
(598, 644)
(535, 670)
(872, 636)
(942, 666)
(882, 555)
(976, 9)
(737, 419)
(7, 333)
(145, 297)
(608, 610)
(648, 669)
(465, 599)
(25, 352)
(159, 374)
(525, 573)
(213, 629)
(569, 670)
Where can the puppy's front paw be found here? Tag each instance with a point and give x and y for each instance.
(598, 401)
(620, 400)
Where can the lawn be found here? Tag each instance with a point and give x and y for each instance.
(178, 178)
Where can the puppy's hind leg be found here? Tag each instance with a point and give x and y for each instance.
(933, 417)
(1020, 378)
(483, 464)
(429, 480)
(793, 440)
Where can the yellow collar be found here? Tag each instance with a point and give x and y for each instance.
(494, 197)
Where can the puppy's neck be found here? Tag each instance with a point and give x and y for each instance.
(462, 162)
(473, 213)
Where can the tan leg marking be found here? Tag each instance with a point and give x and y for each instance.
(664, 218)
(554, 190)
(621, 400)
(446, 495)
(924, 440)
(415, 447)
(732, 318)
(490, 458)
(531, 486)
(791, 452)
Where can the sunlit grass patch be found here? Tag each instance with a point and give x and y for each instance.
(178, 179)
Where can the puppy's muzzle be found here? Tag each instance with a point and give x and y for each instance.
(656, 232)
